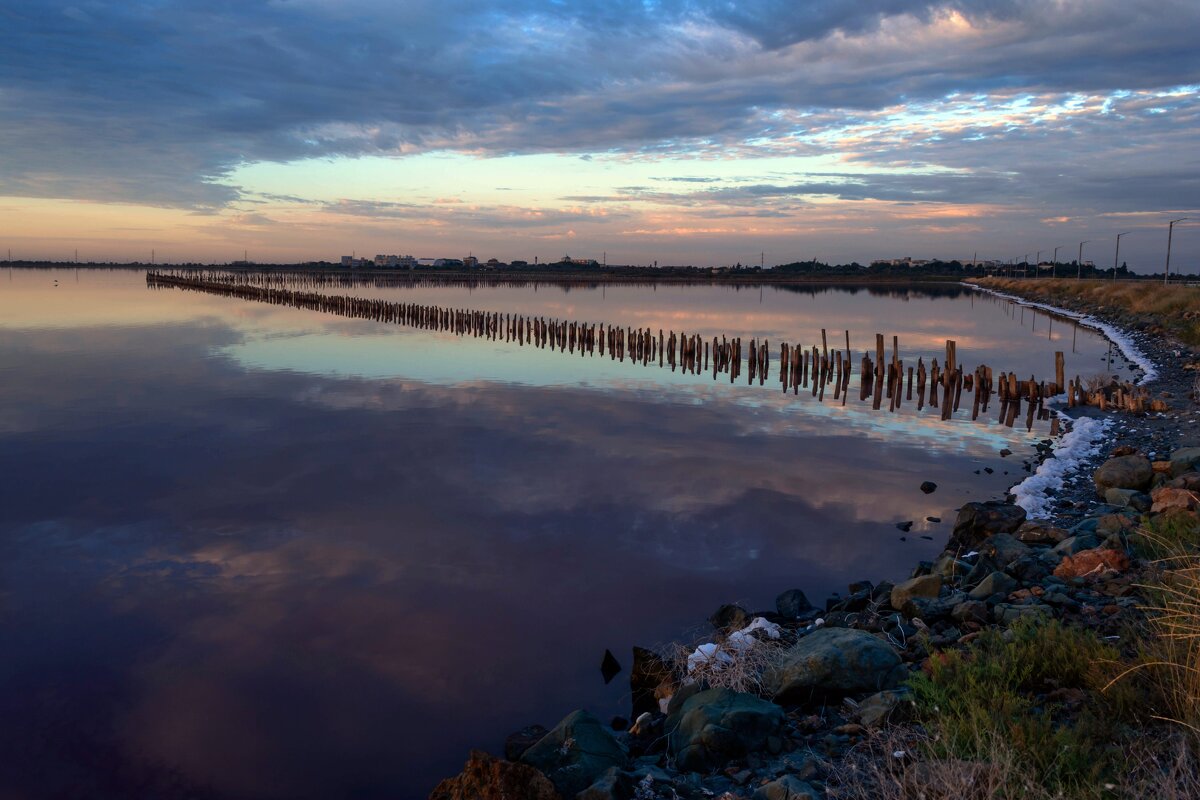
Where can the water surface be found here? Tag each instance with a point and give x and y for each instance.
(258, 552)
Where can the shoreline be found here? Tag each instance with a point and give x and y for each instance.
(1002, 570)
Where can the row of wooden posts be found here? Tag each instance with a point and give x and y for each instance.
(815, 369)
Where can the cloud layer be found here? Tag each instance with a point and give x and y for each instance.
(1037, 110)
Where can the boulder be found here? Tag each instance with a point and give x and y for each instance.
(1092, 563)
(792, 603)
(789, 787)
(995, 583)
(881, 707)
(718, 725)
(729, 618)
(577, 752)
(487, 778)
(1185, 460)
(835, 661)
(922, 586)
(1033, 566)
(1075, 544)
(1124, 472)
(977, 521)
(1167, 497)
(1003, 548)
(1040, 533)
(612, 785)
(1188, 480)
(930, 609)
(517, 743)
(970, 611)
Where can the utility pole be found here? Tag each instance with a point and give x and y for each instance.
(152, 256)
(1170, 230)
(1054, 264)
(1079, 261)
(1117, 254)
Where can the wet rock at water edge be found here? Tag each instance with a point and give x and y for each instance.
(792, 603)
(517, 743)
(488, 778)
(650, 680)
(729, 618)
(577, 752)
(976, 521)
(713, 727)
(905, 526)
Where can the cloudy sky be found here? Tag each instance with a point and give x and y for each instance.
(674, 131)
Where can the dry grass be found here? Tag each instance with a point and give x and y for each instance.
(739, 669)
(1176, 308)
(1171, 657)
(897, 766)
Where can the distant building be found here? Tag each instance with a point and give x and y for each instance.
(470, 262)
(518, 263)
(907, 261)
(406, 262)
(493, 263)
(347, 261)
(583, 262)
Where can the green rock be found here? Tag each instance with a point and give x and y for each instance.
(577, 752)
(718, 725)
(836, 661)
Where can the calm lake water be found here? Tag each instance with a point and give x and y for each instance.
(249, 551)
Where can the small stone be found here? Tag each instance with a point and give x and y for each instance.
(922, 586)
(928, 487)
(788, 787)
(995, 583)
(729, 618)
(905, 526)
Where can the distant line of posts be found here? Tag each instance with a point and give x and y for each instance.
(817, 370)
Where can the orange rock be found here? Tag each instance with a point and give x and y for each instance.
(1166, 497)
(1090, 563)
(1161, 466)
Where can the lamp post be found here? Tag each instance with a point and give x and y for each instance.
(1170, 230)
(1054, 263)
(1116, 255)
(1079, 261)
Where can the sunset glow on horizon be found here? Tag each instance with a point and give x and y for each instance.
(669, 132)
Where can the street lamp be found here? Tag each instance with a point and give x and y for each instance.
(1170, 230)
(1054, 264)
(1079, 261)
(1116, 255)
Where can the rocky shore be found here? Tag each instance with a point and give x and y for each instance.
(873, 693)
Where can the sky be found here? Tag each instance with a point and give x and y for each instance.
(668, 131)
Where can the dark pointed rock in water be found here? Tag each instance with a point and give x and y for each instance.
(1005, 453)
(730, 618)
(517, 743)
(905, 526)
(792, 603)
(928, 487)
(609, 667)
(989, 470)
(488, 778)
